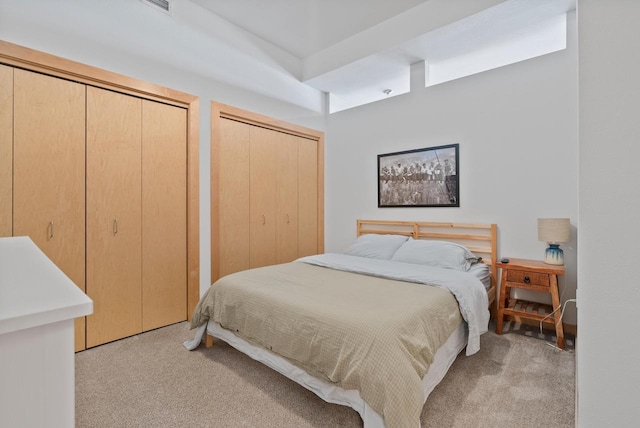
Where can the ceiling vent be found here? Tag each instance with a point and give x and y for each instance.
(161, 5)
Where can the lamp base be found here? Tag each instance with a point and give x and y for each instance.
(554, 255)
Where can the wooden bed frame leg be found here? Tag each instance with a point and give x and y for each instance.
(208, 341)
(493, 311)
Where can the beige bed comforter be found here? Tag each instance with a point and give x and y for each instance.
(375, 335)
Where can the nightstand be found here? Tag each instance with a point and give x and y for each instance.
(530, 275)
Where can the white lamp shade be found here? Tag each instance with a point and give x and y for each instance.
(554, 229)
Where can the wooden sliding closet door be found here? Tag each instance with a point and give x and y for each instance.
(164, 215)
(267, 190)
(233, 171)
(6, 150)
(286, 198)
(49, 170)
(114, 255)
(307, 197)
(262, 195)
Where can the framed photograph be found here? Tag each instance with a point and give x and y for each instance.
(426, 177)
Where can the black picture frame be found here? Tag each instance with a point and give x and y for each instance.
(427, 177)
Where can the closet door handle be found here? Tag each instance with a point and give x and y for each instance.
(115, 226)
(264, 219)
(287, 218)
(51, 229)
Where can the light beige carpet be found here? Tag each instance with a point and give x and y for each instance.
(150, 380)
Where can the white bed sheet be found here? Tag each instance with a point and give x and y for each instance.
(444, 357)
(483, 273)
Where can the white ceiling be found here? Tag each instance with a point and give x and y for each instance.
(305, 27)
(356, 49)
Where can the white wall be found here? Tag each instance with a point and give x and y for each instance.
(609, 90)
(194, 51)
(516, 127)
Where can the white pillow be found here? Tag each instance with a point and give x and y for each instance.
(435, 253)
(376, 246)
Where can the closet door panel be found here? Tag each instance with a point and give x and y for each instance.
(262, 224)
(6, 150)
(164, 215)
(114, 256)
(234, 196)
(49, 171)
(307, 197)
(286, 198)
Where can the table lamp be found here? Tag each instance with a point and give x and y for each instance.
(554, 231)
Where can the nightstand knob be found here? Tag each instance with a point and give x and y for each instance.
(527, 280)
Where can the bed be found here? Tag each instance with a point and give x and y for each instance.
(375, 328)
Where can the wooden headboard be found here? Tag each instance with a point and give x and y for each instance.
(479, 238)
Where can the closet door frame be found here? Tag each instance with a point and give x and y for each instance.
(6, 151)
(29, 59)
(223, 111)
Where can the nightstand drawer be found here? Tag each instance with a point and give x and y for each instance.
(530, 278)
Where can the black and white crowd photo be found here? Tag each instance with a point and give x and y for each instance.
(423, 177)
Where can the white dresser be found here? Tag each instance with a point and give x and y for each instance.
(38, 304)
